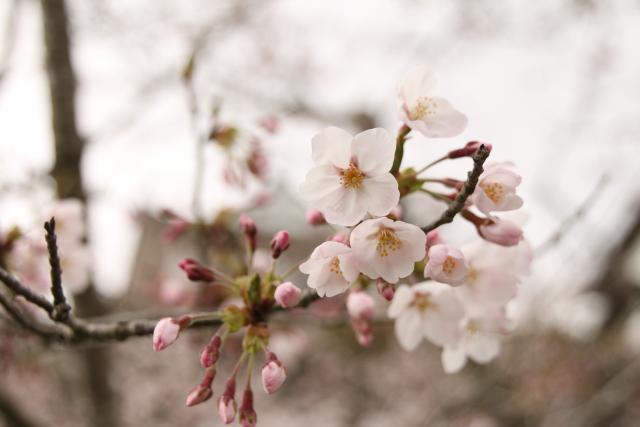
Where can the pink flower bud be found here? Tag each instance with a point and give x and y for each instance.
(226, 409)
(385, 289)
(248, 416)
(198, 395)
(433, 238)
(340, 238)
(227, 403)
(287, 294)
(273, 374)
(360, 305)
(396, 213)
(446, 264)
(468, 150)
(248, 227)
(501, 231)
(210, 353)
(176, 228)
(315, 217)
(165, 333)
(196, 272)
(279, 243)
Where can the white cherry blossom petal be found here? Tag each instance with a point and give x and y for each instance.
(401, 300)
(408, 329)
(332, 146)
(373, 150)
(453, 359)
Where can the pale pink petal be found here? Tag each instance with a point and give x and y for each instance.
(482, 348)
(445, 121)
(373, 150)
(401, 300)
(408, 329)
(332, 146)
(380, 194)
(453, 359)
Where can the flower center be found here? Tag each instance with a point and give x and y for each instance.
(421, 301)
(424, 106)
(335, 266)
(351, 177)
(448, 265)
(472, 327)
(494, 191)
(387, 242)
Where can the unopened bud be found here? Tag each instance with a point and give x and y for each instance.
(340, 238)
(396, 213)
(227, 403)
(433, 238)
(468, 150)
(360, 305)
(165, 333)
(273, 374)
(385, 289)
(248, 227)
(287, 295)
(248, 416)
(315, 217)
(501, 231)
(210, 353)
(279, 243)
(196, 272)
(202, 392)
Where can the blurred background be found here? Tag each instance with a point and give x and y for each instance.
(172, 113)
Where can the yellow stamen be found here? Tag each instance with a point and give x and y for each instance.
(494, 191)
(424, 107)
(421, 301)
(448, 265)
(335, 266)
(351, 177)
(387, 242)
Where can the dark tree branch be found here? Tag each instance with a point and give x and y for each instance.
(467, 190)
(61, 308)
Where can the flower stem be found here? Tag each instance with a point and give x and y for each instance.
(400, 140)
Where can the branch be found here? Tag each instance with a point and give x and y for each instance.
(467, 190)
(61, 308)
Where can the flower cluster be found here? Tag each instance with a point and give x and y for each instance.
(357, 182)
(260, 293)
(456, 298)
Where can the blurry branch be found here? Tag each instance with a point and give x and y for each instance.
(467, 190)
(12, 414)
(613, 281)
(66, 327)
(569, 222)
(9, 37)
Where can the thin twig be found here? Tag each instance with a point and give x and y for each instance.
(61, 308)
(467, 190)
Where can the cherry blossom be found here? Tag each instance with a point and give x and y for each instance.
(496, 190)
(501, 231)
(494, 272)
(446, 264)
(165, 333)
(427, 310)
(273, 374)
(432, 116)
(331, 269)
(287, 294)
(351, 175)
(386, 248)
(479, 340)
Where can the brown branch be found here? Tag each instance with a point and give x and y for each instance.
(467, 190)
